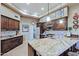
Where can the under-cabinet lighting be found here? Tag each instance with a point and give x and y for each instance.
(61, 21)
(48, 18)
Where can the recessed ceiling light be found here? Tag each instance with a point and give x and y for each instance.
(26, 12)
(42, 8)
(28, 3)
(35, 14)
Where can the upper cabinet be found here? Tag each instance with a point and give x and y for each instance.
(10, 20)
(8, 24)
(4, 22)
(61, 13)
(8, 12)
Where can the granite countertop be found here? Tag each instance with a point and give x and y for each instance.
(7, 37)
(52, 47)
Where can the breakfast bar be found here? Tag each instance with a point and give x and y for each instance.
(52, 47)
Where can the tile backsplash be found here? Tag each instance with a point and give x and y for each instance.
(8, 33)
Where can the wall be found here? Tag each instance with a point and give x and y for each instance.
(29, 21)
(72, 9)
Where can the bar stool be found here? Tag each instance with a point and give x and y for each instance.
(71, 53)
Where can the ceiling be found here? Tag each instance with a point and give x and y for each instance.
(35, 9)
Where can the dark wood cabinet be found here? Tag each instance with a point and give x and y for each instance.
(11, 43)
(56, 25)
(16, 25)
(60, 24)
(9, 23)
(12, 24)
(42, 28)
(4, 23)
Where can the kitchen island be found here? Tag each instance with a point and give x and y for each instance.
(52, 47)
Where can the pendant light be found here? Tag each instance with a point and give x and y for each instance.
(48, 17)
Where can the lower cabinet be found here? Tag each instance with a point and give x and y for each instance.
(11, 43)
(30, 51)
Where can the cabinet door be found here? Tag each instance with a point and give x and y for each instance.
(14, 25)
(19, 40)
(6, 45)
(30, 50)
(61, 26)
(10, 24)
(4, 23)
(17, 25)
(7, 23)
